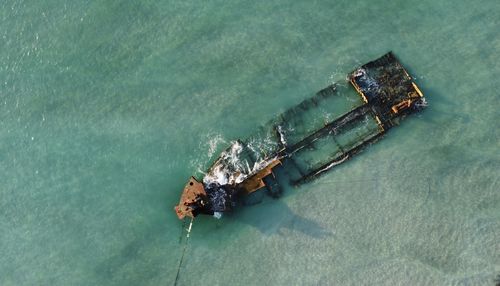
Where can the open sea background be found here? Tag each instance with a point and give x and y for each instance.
(107, 108)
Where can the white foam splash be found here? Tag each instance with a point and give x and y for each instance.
(422, 103)
(213, 142)
(282, 135)
(333, 164)
(228, 166)
(230, 169)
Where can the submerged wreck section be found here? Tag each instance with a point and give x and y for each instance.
(308, 139)
(387, 87)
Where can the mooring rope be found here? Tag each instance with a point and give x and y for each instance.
(182, 230)
(183, 251)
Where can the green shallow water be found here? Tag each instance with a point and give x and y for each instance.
(107, 108)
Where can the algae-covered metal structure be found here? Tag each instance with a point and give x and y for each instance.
(309, 139)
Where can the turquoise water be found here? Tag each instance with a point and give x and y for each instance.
(108, 107)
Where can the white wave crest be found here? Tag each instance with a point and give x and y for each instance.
(233, 168)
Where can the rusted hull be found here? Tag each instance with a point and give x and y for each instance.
(386, 94)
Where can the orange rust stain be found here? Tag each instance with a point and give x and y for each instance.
(255, 182)
(192, 191)
(401, 106)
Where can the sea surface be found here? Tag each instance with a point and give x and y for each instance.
(107, 108)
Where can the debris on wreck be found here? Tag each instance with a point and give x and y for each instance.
(305, 141)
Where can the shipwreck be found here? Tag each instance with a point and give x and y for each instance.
(309, 139)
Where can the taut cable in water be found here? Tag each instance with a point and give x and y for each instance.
(183, 251)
